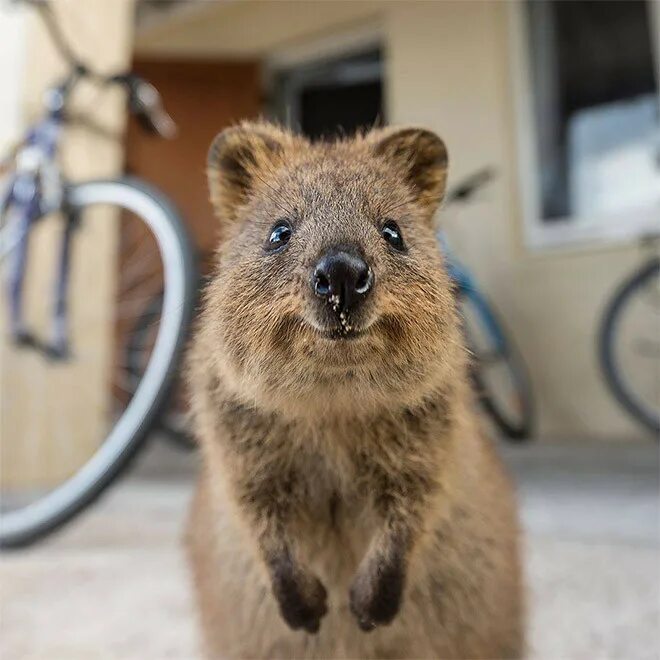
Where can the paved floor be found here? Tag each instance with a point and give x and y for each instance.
(113, 585)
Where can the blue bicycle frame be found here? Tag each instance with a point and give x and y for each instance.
(466, 287)
(34, 190)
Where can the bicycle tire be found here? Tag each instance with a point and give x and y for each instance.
(607, 342)
(172, 429)
(522, 428)
(22, 528)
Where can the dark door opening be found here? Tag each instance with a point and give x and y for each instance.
(332, 97)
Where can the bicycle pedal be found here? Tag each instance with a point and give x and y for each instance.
(25, 339)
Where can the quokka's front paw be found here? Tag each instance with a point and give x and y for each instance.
(301, 597)
(376, 594)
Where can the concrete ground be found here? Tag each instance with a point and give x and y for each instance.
(114, 584)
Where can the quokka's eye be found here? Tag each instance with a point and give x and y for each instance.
(392, 234)
(280, 235)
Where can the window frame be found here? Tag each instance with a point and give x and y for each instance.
(571, 231)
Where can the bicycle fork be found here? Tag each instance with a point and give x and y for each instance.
(57, 346)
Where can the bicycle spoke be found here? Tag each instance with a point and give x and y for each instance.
(648, 348)
(131, 271)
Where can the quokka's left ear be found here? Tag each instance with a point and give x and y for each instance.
(420, 156)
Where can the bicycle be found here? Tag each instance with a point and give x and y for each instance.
(154, 254)
(498, 371)
(629, 341)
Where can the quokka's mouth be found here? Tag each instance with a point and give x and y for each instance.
(339, 334)
(337, 327)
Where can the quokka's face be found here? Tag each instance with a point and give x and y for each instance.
(329, 276)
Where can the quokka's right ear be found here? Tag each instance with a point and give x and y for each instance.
(238, 159)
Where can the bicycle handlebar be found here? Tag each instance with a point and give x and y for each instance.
(469, 186)
(146, 103)
(144, 100)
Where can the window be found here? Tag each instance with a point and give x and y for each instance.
(338, 95)
(590, 80)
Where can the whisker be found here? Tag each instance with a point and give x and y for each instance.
(394, 207)
(275, 198)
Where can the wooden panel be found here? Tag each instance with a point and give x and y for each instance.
(203, 97)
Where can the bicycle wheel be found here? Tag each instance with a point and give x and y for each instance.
(70, 426)
(174, 420)
(498, 371)
(629, 345)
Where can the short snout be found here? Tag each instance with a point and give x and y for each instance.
(343, 279)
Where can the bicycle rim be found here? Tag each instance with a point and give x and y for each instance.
(498, 372)
(629, 346)
(174, 423)
(127, 423)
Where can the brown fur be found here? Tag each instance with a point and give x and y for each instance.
(349, 505)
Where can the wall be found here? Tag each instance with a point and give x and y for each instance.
(448, 68)
(12, 67)
(53, 415)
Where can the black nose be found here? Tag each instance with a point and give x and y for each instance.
(343, 278)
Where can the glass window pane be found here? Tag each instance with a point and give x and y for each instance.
(595, 107)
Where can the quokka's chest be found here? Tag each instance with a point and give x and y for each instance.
(334, 520)
(332, 490)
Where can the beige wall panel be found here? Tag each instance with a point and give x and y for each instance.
(53, 415)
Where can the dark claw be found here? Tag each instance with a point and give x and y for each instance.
(313, 626)
(302, 600)
(375, 597)
(366, 625)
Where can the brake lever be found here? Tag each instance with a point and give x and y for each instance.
(149, 103)
(469, 187)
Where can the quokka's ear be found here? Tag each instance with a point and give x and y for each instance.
(420, 156)
(240, 157)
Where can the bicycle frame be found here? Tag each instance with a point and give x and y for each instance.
(466, 286)
(35, 189)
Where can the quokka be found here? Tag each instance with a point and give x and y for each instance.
(350, 505)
